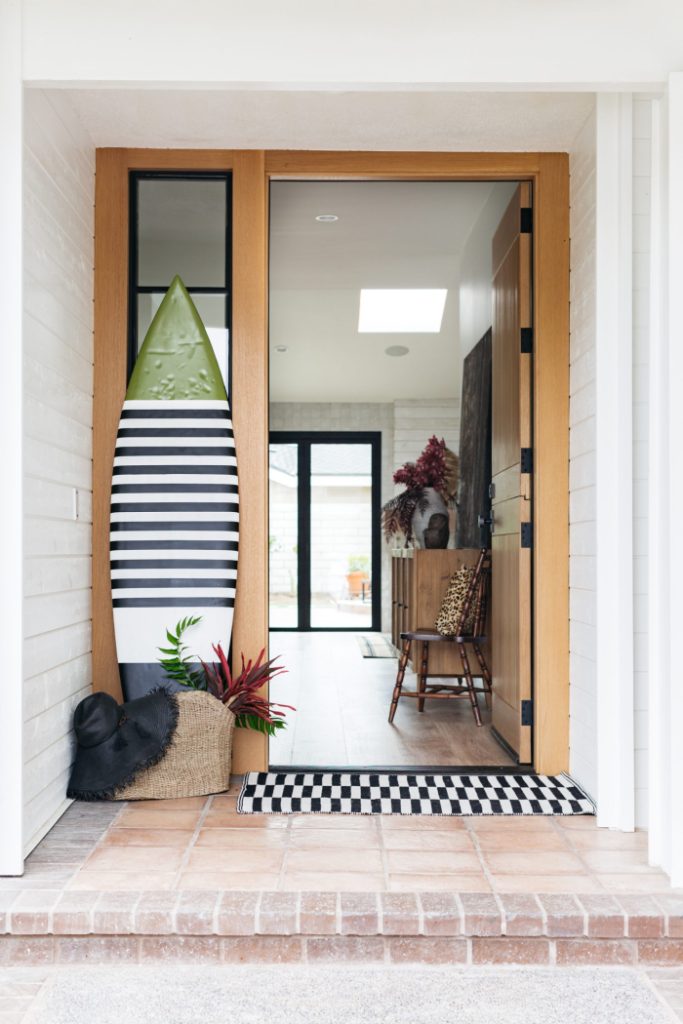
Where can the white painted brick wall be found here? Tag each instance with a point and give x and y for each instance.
(582, 460)
(416, 421)
(59, 168)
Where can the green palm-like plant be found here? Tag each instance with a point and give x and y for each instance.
(177, 662)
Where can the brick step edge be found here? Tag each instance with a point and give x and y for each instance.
(317, 914)
(33, 950)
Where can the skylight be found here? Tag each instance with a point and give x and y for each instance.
(401, 310)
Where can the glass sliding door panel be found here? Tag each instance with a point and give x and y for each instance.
(341, 536)
(283, 535)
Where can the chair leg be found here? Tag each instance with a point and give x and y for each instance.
(470, 684)
(402, 664)
(486, 674)
(422, 675)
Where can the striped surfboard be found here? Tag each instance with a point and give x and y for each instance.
(174, 499)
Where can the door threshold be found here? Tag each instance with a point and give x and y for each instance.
(407, 769)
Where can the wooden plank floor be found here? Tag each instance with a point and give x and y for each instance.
(342, 702)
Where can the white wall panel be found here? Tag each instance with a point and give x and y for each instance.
(58, 288)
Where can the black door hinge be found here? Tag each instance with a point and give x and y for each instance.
(527, 535)
(526, 460)
(526, 220)
(527, 712)
(527, 341)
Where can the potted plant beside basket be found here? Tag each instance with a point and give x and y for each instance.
(420, 511)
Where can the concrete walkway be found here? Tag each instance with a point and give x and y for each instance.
(334, 995)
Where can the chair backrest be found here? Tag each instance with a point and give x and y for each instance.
(472, 619)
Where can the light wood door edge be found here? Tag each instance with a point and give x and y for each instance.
(549, 173)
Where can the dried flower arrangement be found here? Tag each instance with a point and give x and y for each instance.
(240, 693)
(437, 467)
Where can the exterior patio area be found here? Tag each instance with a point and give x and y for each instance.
(194, 880)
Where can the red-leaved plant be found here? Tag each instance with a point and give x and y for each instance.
(436, 467)
(241, 693)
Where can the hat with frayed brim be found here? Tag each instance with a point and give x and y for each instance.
(115, 742)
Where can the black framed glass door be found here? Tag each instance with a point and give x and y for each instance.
(324, 530)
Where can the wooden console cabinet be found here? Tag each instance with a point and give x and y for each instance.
(419, 579)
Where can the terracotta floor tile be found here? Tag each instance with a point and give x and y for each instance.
(233, 880)
(118, 881)
(209, 859)
(227, 819)
(147, 859)
(147, 837)
(544, 862)
(634, 882)
(439, 883)
(331, 881)
(224, 802)
(419, 823)
(604, 839)
(326, 859)
(509, 823)
(617, 861)
(142, 817)
(430, 840)
(185, 803)
(545, 883)
(334, 838)
(243, 838)
(358, 822)
(513, 842)
(450, 862)
(577, 821)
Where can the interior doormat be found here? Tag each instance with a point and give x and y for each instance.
(389, 793)
(376, 646)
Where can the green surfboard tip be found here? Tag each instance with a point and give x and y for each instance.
(176, 360)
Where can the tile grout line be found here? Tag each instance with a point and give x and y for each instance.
(383, 852)
(285, 856)
(184, 860)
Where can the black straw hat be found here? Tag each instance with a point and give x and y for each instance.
(117, 741)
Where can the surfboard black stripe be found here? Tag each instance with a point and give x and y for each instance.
(141, 582)
(147, 488)
(175, 506)
(174, 602)
(171, 414)
(217, 525)
(176, 432)
(170, 563)
(219, 470)
(227, 449)
(174, 545)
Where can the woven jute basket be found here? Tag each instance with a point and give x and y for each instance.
(197, 761)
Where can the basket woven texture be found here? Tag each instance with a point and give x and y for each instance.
(197, 761)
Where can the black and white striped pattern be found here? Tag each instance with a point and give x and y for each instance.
(389, 793)
(174, 519)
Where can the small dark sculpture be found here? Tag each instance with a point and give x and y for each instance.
(437, 532)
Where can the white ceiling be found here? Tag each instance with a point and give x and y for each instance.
(308, 119)
(389, 235)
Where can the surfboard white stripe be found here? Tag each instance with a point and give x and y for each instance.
(193, 405)
(173, 573)
(178, 554)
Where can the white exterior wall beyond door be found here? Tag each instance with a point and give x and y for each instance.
(59, 169)
(582, 507)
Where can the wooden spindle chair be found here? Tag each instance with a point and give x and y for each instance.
(474, 611)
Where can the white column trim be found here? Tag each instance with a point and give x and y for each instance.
(659, 623)
(673, 855)
(11, 549)
(614, 462)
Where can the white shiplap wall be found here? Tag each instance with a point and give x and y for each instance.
(582, 576)
(59, 169)
(583, 737)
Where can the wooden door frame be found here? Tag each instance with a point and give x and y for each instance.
(252, 172)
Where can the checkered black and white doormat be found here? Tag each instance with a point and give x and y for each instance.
(389, 793)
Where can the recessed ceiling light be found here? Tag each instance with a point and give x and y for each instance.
(280, 348)
(397, 350)
(401, 310)
(327, 218)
